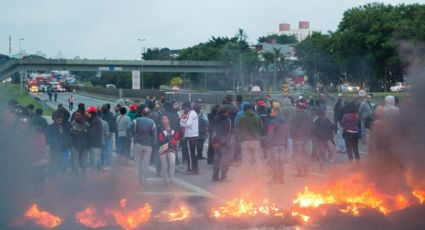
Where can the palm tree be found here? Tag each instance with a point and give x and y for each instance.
(241, 35)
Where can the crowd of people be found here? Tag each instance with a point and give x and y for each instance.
(239, 133)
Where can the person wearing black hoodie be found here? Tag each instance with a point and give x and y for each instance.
(107, 116)
(211, 117)
(58, 138)
(277, 140)
(220, 139)
(94, 134)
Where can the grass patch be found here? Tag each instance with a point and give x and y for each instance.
(11, 91)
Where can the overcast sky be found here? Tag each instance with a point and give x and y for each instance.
(110, 28)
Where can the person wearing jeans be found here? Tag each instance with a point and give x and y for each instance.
(189, 121)
(94, 134)
(167, 138)
(143, 132)
(350, 125)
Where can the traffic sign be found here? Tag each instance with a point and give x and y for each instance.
(362, 93)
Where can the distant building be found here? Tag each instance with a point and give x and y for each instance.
(286, 51)
(300, 34)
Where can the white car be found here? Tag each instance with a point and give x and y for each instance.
(400, 87)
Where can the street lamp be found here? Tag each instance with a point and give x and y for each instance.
(142, 51)
(20, 47)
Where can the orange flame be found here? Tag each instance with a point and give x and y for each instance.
(132, 219)
(240, 207)
(420, 195)
(176, 215)
(90, 218)
(303, 217)
(43, 218)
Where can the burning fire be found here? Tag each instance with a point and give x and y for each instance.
(240, 207)
(131, 219)
(175, 215)
(43, 218)
(90, 218)
(420, 195)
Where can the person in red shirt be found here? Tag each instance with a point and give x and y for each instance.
(168, 138)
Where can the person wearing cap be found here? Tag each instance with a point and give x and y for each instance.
(300, 130)
(94, 134)
(144, 133)
(132, 114)
(249, 130)
(190, 122)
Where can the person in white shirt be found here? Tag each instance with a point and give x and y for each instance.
(189, 122)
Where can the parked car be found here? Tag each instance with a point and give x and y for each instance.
(349, 88)
(400, 87)
(43, 88)
(111, 86)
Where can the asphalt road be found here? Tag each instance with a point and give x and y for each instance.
(120, 180)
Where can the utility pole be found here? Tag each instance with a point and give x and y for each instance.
(10, 46)
(142, 51)
(21, 76)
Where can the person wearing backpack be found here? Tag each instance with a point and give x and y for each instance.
(202, 129)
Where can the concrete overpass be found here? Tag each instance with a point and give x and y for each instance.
(15, 65)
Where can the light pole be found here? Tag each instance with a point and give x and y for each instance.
(142, 51)
(20, 63)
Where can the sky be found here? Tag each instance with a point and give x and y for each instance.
(110, 29)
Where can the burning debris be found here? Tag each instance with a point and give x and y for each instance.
(42, 218)
(242, 208)
(89, 217)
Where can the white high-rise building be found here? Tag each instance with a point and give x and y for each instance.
(301, 33)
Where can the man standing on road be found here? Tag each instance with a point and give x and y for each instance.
(79, 134)
(301, 130)
(189, 121)
(123, 121)
(338, 114)
(365, 111)
(249, 130)
(203, 129)
(220, 141)
(277, 137)
(144, 133)
(71, 103)
(55, 95)
(107, 116)
(94, 137)
(58, 138)
(39, 121)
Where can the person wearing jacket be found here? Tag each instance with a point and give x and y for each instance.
(189, 121)
(300, 129)
(249, 130)
(79, 133)
(389, 107)
(167, 138)
(107, 116)
(220, 141)
(58, 139)
(323, 130)
(277, 140)
(365, 110)
(132, 114)
(338, 114)
(124, 142)
(202, 128)
(38, 121)
(350, 126)
(144, 134)
(94, 134)
(211, 116)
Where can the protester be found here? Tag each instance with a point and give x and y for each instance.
(155, 116)
(71, 103)
(264, 113)
(249, 130)
(79, 142)
(350, 126)
(38, 121)
(171, 111)
(168, 138)
(338, 114)
(389, 108)
(58, 139)
(365, 111)
(288, 112)
(107, 116)
(220, 141)
(123, 121)
(202, 129)
(211, 117)
(300, 129)
(132, 114)
(65, 114)
(189, 121)
(55, 96)
(144, 133)
(94, 137)
(277, 136)
(82, 109)
(106, 135)
(323, 133)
